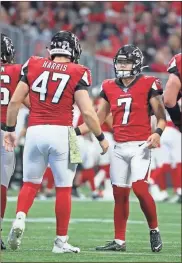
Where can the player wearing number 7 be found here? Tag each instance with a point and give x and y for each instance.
(130, 97)
(53, 85)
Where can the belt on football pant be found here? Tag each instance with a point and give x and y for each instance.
(3, 126)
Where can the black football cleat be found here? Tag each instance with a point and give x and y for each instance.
(75, 192)
(3, 247)
(155, 241)
(112, 246)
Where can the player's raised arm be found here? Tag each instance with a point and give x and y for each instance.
(90, 117)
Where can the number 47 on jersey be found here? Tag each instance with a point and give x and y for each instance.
(41, 83)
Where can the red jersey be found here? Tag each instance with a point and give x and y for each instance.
(175, 66)
(130, 106)
(10, 75)
(104, 126)
(52, 87)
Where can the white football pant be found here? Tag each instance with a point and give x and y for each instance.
(48, 144)
(129, 163)
(7, 164)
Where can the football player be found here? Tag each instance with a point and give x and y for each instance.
(173, 90)
(10, 75)
(130, 97)
(53, 85)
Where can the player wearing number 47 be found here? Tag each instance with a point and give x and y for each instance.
(131, 97)
(53, 85)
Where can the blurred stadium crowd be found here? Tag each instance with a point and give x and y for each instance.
(104, 26)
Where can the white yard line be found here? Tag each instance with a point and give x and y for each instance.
(101, 240)
(108, 253)
(86, 199)
(81, 220)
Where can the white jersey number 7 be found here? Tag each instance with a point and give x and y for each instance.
(127, 108)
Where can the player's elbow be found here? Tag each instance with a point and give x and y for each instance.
(169, 102)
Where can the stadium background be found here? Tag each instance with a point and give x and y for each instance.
(102, 28)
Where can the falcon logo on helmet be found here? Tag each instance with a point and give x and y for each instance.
(7, 49)
(128, 54)
(67, 44)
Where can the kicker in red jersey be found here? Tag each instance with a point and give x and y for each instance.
(52, 86)
(10, 75)
(130, 106)
(175, 66)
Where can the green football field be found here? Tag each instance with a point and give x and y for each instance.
(92, 225)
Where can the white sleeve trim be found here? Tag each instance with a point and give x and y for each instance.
(172, 65)
(154, 86)
(85, 78)
(24, 66)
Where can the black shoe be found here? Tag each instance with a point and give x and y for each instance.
(3, 247)
(75, 192)
(180, 199)
(112, 245)
(155, 240)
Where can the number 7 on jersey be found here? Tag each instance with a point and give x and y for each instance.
(127, 108)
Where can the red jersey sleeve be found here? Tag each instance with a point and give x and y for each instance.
(174, 66)
(25, 68)
(156, 88)
(103, 92)
(86, 79)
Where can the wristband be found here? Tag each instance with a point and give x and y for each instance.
(77, 131)
(159, 131)
(10, 128)
(101, 137)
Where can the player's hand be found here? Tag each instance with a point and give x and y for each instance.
(104, 145)
(153, 140)
(9, 141)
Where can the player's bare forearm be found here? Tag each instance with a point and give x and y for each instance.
(91, 123)
(12, 113)
(102, 113)
(159, 111)
(89, 115)
(109, 121)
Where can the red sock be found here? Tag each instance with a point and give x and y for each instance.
(26, 196)
(3, 200)
(176, 176)
(62, 210)
(156, 173)
(161, 181)
(121, 211)
(147, 203)
(88, 175)
(48, 176)
(106, 168)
